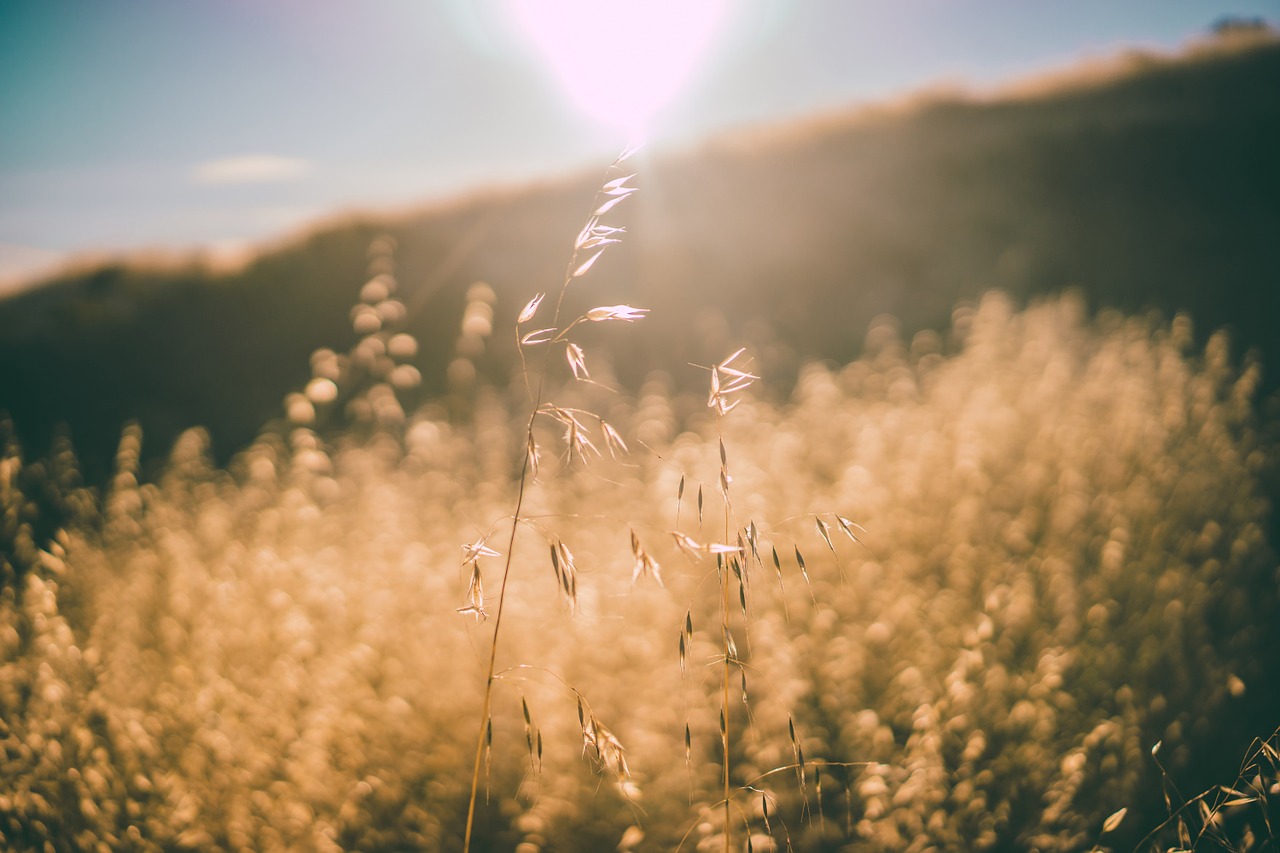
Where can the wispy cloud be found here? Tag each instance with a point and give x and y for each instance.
(251, 169)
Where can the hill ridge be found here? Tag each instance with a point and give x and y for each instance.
(1153, 190)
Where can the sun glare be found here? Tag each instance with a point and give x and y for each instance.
(620, 61)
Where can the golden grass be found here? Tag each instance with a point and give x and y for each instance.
(1066, 562)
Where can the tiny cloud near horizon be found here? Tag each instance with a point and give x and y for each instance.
(251, 169)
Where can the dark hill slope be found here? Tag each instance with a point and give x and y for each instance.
(1158, 187)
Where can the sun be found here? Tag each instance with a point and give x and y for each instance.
(620, 61)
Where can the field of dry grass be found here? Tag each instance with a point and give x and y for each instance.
(1065, 562)
(996, 575)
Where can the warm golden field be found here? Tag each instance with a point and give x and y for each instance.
(1065, 561)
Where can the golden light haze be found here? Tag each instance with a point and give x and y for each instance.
(621, 62)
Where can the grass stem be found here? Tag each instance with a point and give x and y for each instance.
(572, 271)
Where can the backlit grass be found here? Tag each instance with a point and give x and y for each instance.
(1065, 562)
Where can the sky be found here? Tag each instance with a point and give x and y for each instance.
(130, 125)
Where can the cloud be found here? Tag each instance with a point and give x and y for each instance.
(251, 169)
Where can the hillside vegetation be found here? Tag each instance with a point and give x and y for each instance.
(1064, 564)
(1157, 187)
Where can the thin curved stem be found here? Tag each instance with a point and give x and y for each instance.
(493, 647)
(724, 734)
(516, 518)
(724, 611)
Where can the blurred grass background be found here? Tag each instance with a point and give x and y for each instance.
(1067, 564)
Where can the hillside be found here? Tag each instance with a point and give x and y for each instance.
(1154, 188)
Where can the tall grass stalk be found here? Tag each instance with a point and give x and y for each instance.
(594, 238)
(720, 401)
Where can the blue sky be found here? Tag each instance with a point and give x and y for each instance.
(134, 124)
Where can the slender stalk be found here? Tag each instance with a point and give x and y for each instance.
(737, 380)
(724, 734)
(487, 704)
(497, 626)
(724, 616)
(725, 381)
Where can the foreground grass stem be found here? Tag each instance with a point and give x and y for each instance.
(594, 238)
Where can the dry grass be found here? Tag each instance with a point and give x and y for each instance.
(1066, 563)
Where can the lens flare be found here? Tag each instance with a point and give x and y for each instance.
(621, 61)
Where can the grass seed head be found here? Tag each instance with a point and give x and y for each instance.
(577, 361)
(613, 440)
(616, 312)
(526, 313)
